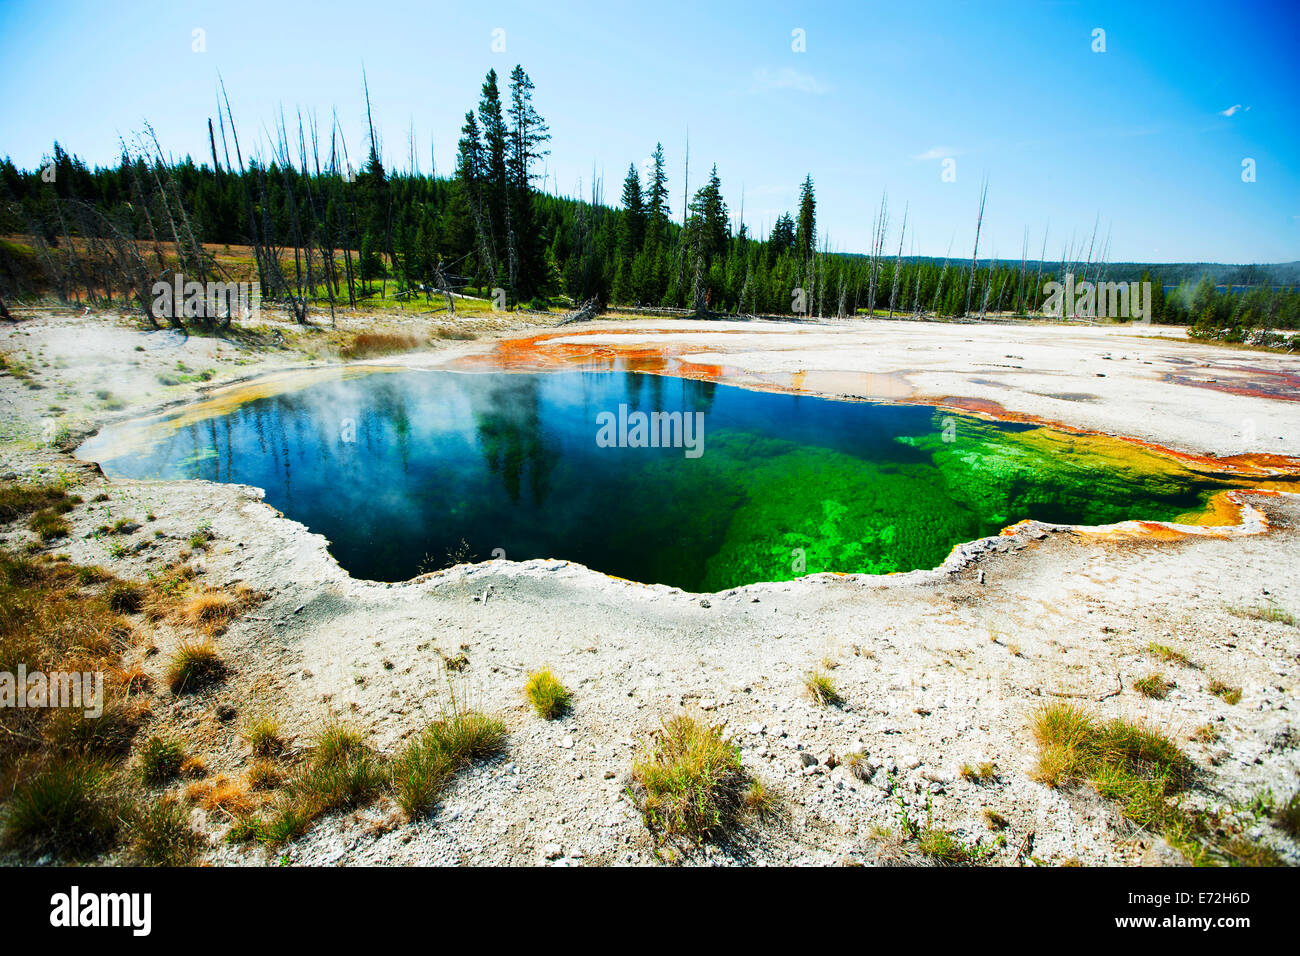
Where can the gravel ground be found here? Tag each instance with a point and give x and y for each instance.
(938, 669)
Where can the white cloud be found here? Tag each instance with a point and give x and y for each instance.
(786, 78)
(1234, 109)
(936, 152)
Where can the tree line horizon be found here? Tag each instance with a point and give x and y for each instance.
(324, 233)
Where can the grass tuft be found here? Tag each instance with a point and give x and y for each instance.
(1145, 772)
(1154, 686)
(67, 808)
(1229, 695)
(125, 598)
(1168, 654)
(550, 698)
(984, 773)
(1287, 815)
(688, 781)
(368, 344)
(160, 834)
(195, 665)
(210, 609)
(821, 689)
(160, 761)
(263, 736)
(49, 525)
(1269, 612)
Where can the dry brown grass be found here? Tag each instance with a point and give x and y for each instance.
(369, 344)
(131, 680)
(264, 775)
(210, 609)
(224, 795)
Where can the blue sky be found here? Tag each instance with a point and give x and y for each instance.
(883, 93)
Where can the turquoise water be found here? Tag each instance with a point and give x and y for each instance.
(404, 472)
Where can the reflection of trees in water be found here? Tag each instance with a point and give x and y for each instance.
(507, 417)
(390, 400)
(698, 396)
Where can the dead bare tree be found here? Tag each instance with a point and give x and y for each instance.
(879, 230)
(898, 262)
(974, 257)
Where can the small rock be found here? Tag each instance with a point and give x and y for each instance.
(567, 743)
(552, 851)
(807, 758)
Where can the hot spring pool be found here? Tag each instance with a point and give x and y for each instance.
(397, 469)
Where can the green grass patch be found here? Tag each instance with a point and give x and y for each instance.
(1229, 695)
(160, 761)
(549, 697)
(936, 843)
(1145, 773)
(1154, 686)
(1268, 612)
(1168, 654)
(159, 834)
(821, 689)
(67, 807)
(194, 666)
(689, 784)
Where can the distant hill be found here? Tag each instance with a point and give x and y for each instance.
(1223, 274)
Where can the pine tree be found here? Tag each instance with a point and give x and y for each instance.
(527, 132)
(707, 225)
(657, 201)
(492, 122)
(634, 217)
(805, 239)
